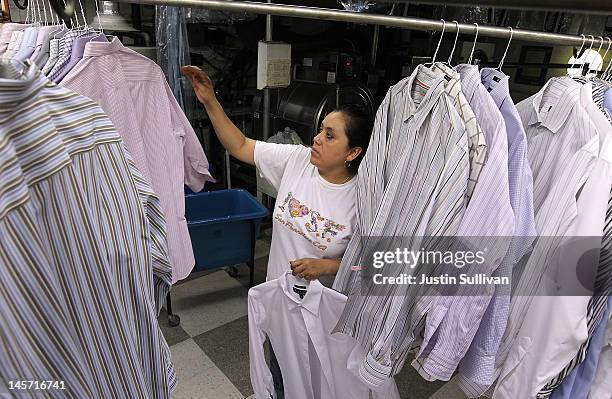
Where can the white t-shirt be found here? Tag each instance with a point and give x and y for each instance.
(312, 217)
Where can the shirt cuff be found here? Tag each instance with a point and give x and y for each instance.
(435, 366)
(374, 374)
(476, 375)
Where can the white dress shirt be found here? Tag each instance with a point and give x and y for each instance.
(571, 193)
(298, 317)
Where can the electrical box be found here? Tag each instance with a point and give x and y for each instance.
(273, 65)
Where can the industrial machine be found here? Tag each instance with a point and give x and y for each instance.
(303, 105)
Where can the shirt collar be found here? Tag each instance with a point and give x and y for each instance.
(445, 69)
(14, 91)
(94, 49)
(45, 32)
(7, 31)
(433, 81)
(564, 91)
(470, 79)
(311, 300)
(496, 83)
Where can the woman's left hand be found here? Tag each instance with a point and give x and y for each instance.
(312, 269)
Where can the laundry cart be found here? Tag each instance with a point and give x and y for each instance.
(223, 226)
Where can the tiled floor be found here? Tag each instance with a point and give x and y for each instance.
(210, 346)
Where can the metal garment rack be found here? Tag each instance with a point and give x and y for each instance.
(270, 9)
(373, 19)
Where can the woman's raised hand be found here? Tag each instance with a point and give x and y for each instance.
(202, 85)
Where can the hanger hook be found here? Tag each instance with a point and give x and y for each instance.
(581, 46)
(501, 62)
(604, 57)
(99, 19)
(439, 42)
(83, 14)
(40, 15)
(600, 43)
(474, 45)
(584, 60)
(45, 12)
(454, 44)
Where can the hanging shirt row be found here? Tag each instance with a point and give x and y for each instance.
(452, 156)
(134, 93)
(91, 211)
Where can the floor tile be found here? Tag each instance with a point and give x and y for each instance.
(173, 335)
(262, 248)
(449, 391)
(198, 377)
(261, 268)
(208, 302)
(228, 348)
(411, 385)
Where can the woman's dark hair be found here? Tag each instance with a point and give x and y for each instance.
(358, 129)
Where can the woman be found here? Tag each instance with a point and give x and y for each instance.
(314, 214)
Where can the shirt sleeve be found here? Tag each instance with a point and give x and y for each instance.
(271, 159)
(195, 163)
(261, 378)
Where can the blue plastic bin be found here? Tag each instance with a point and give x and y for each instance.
(223, 226)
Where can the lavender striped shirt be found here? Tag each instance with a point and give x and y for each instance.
(455, 317)
(133, 91)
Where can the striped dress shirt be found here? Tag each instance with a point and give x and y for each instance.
(419, 157)
(53, 55)
(65, 49)
(83, 255)
(14, 44)
(133, 91)
(6, 33)
(41, 48)
(476, 139)
(487, 223)
(476, 370)
(537, 342)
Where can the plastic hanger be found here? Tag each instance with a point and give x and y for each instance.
(501, 62)
(469, 61)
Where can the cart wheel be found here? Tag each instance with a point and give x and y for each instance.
(232, 271)
(174, 320)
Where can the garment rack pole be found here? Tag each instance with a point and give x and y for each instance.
(371, 19)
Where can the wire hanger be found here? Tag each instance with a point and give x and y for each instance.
(601, 41)
(605, 72)
(433, 59)
(501, 62)
(576, 57)
(454, 45)
(45, 13)
(469, 61)
(99, 22)
(584, 60)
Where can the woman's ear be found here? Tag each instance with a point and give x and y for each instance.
(354, 153)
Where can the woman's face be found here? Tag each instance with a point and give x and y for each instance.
(330, 148)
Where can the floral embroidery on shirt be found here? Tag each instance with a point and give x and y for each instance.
(322, 227)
